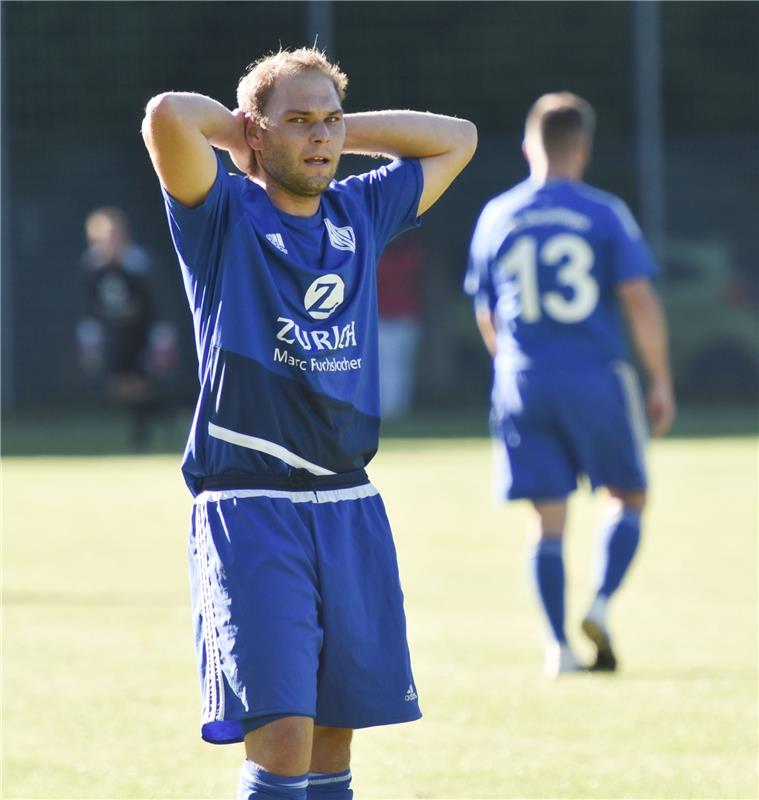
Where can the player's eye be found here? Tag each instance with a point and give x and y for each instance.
(297, 119)
(333, 118)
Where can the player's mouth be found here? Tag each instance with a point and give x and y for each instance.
(317, 161)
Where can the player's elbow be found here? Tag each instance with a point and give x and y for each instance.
(468, 139)
(160, 111)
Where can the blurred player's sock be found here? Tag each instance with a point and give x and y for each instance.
(329, 786)
(618, 543)
(258, 783)
(548, 573)
(560, 660)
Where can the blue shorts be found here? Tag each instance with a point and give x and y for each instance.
(298, 610)
(550, 428)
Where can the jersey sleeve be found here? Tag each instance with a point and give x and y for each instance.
(197, 233)
(391, 195)
(478, 281)
(632, 257)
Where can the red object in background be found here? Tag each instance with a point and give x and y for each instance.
(399, 280)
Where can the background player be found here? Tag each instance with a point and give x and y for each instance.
(552, 262)
(298, 607)
(121, 337)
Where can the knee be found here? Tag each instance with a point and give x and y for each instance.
(331, 749)
(283, 746)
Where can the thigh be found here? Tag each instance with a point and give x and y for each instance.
(532, 457)
(603, 414)
(365, 675)
(255, 608)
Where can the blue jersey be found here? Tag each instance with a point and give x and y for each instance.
(547, 260)
(285, 319)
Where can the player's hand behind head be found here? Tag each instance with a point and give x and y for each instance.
(241, 153)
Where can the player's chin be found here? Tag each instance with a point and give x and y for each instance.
(315, 184)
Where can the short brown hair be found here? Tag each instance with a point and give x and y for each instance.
(256, 84)
(559, 121)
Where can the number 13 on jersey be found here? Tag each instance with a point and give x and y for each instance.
(573, 259)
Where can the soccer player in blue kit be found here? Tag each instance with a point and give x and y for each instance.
(298, 610)
(556, 268)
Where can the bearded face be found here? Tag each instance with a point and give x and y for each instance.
(296, 172)
(298, 146)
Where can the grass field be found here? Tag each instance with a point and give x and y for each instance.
(101, 700)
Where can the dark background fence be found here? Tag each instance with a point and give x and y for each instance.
(76, 77)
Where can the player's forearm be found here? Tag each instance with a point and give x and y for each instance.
(220, 127)
(487, 330)
(408, 134)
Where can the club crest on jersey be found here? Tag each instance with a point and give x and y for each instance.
(324, 295)
(341, 238)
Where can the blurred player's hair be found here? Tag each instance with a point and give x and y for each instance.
(256, 84)
(560, 121)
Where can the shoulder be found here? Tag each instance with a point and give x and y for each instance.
(136, 260)
(609, 205)
(508, 203)
(397, 168)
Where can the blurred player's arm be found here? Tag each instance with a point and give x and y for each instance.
(180, 129)
(443, 144)
(486, 326)
(648, 328)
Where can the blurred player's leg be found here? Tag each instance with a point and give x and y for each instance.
(548, 574)
(618, 544)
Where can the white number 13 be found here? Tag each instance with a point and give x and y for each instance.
(575, 257)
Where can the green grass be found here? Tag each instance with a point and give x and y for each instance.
(99, 688)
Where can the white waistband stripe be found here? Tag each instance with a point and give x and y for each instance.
(311, 496)
(264, 446)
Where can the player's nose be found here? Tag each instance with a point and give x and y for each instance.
(320, 132)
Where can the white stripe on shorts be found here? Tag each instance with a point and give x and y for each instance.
(265, 446)
(636, 414)
(213, 688)
(311, 496)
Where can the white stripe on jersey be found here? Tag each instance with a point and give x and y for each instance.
(311, 496)
(264, 446)
(635, 409)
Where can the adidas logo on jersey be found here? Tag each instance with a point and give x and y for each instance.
(277, 241)
(341, 238)
(410, 693)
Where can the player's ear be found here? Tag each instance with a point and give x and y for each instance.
(253, 133)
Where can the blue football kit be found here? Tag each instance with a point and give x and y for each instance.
(297, 604)
(546, 261)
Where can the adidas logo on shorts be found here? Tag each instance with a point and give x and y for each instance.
(410, 693)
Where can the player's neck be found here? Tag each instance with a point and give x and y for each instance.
(296, 204)
(555, 172)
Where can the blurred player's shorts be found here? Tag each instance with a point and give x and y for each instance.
(551, 427)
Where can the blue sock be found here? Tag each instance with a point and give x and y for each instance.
(548, 571)
(258, 783)
(329, 785)
(618, 544)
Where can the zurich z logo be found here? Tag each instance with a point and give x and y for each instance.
(324, 295)
(341, 238)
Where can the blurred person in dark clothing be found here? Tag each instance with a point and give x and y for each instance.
(399, 297)
(121, 338)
